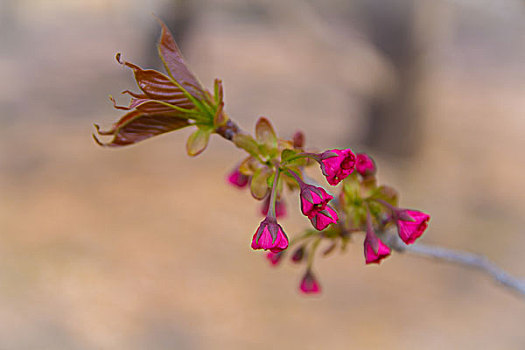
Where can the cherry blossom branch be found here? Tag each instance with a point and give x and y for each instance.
(177, 100)
(459, 257)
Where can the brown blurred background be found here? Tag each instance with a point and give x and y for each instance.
(144, 248)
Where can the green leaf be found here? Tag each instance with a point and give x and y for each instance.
(259, 183)
(197, 142)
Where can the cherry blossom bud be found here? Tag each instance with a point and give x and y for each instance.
(238, 179)
(324, 218)
(337, 164)
(411, 224)
(270, 236)
(274, 258)
(298, 139)
(309, 284)
(375, 249)
(313, 199)
(365, 165)
(298, 254)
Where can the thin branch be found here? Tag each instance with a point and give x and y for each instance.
(467, 259)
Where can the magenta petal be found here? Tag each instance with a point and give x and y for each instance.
(372, 256)
(324, 218)
(280, 209)
(365, 165)
(337, 164)
(236, 178)
(274, 258)
(409, 231)
(270, 236)
(309, 284)
(313, 200)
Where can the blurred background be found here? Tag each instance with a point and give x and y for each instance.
(144, 248)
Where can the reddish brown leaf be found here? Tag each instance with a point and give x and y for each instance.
(145, 105)
(175, 65)
(137, 126)
(157, 86)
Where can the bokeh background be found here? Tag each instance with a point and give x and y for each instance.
(144, 248)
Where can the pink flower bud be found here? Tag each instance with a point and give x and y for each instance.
(324, 218)
(365, 165)
(313, 199)
(298, 254)
(280, 208)
(337, 164)
(309, 284)
(411, 224)
(236, 178)
(270, 236)
(375, 249)
(274, 258)
(298, 139)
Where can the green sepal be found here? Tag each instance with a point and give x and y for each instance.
(198, 141)
(293, 158)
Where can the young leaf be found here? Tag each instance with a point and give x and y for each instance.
(197, 142)
(218, 91)
(157, 86)
(259, 184)
(137, 126)
(175, 65)
(220, 117)
(247, 143)
(265, 134)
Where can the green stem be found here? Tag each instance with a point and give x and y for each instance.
(273, 196)
(311, 256)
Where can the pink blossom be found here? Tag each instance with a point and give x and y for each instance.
(411, 224)
(375, 249)
(238, 179)
(365, 165)
(270, 236)
(298, 254)
(280, 208)
(337, 164)
(274, 258)
(313, 199)
(309, 284)
(324, 218)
